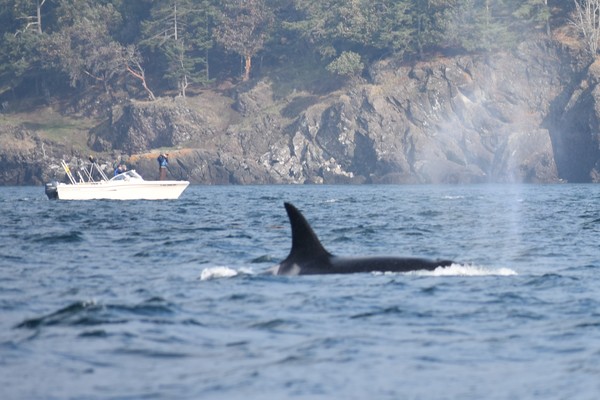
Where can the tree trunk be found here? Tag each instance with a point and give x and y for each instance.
(247, 66)
(175, 28)
(207, 66)
(39, 15)
(183, 84)
(141, 75)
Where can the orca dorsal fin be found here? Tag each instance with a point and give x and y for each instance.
(305, 243)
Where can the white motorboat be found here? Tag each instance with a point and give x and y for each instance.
(128, 185)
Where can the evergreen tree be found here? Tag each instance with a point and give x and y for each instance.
(400, 30)
(85, 50)
(83, 47)
(22, 41)
(477, 25)
(97, 46)
(363, 26)
(244, 26)
(203, 38)
(179, 30)
(29, 14)
(319, 23)
(19, 60)
(535, 13)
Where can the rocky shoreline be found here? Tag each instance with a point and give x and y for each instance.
(527, 116)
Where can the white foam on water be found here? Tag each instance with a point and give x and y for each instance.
(465, 270)
(452, 270)
(217, 272)
(223, 272)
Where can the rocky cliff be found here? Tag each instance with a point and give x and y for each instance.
(528, 116)
(25, 158)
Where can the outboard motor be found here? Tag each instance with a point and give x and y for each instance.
(51, 190)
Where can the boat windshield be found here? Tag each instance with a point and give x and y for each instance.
(127, 175)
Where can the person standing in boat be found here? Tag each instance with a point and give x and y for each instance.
(163, 164)
(120, 169)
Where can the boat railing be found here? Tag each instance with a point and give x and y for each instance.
(100, 171)
(68, 172)
(88, 172)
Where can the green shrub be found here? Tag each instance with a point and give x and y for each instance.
(347, 64)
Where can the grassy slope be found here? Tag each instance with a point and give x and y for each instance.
(49, 124)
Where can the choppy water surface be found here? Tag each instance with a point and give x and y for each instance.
(166, 300)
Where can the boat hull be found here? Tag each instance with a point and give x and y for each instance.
(120, 190)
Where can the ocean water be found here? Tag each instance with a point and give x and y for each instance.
(170, 300)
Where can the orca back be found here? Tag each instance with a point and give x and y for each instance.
(308, 256)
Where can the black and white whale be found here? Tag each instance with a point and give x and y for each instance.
(308, 256)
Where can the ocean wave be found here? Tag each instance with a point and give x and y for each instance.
(93, 313)
(73, 314)
(58, 238)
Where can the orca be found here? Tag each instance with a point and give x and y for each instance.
(309, 257)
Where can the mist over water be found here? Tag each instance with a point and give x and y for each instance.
(105, 300)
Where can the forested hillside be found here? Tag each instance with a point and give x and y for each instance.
(303, 91)
(109, 51)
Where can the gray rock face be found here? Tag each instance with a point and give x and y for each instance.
(520, 117)
(449, 121)
(575, 127)
(455, 120)
(25, 158)
(143, 126)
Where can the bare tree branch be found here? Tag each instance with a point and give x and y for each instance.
(586, 19)
(133, 65)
